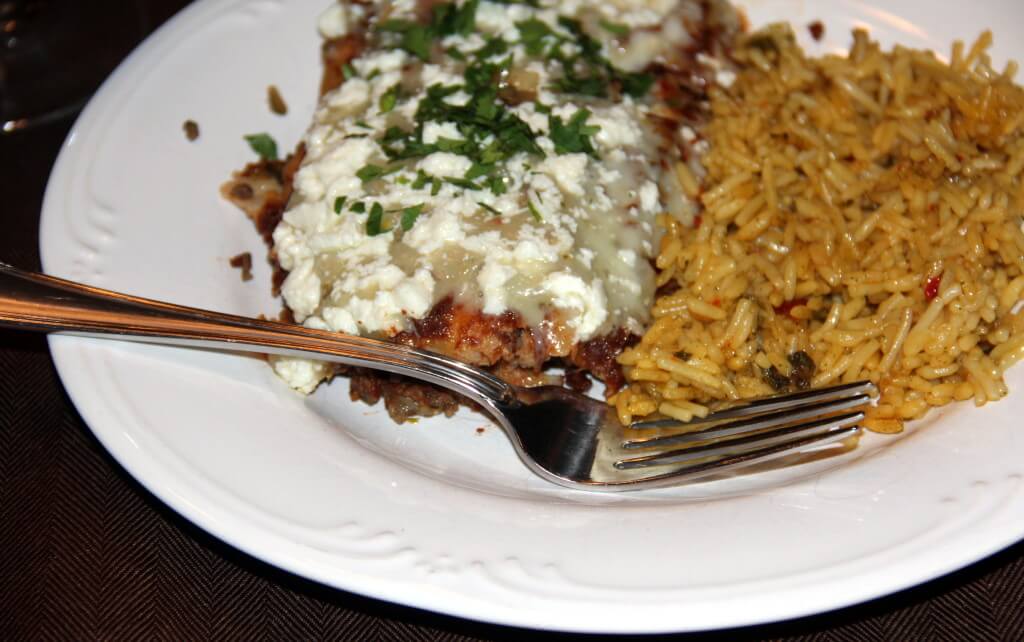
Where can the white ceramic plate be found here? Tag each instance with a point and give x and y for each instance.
(439, 515)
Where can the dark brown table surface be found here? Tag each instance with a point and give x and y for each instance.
(87, 554)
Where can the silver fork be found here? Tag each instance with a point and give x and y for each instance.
(565, 437)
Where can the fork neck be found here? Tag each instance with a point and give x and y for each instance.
(32, 301)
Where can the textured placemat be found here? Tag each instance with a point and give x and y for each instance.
(87, 554)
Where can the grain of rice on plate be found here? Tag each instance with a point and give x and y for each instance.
(862, 220)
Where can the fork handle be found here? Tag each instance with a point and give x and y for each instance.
(33, 301)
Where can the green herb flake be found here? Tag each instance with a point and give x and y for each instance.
(455, 54)
(358, 207)
(374, 223)
(477, 170)
(488, 208)
(532, 33)
(449, 19)
(389, 99)
(370, 172)
(573, 137)
(615, 28)
(497, 184)
(363, 124)
(462, 182)
(348, 71)
(533, 210)
(422, 178)
(409, 216)
(417, 41)
(263, 145)
(495, 46)
(339, 204)
(415, 38)
(454, 146)
(636, 85)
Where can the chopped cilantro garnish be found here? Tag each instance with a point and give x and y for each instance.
(449, 19)
(416, 38)
(339, 204)
(389, 99)
(533, 210)
(263, 145)
(478, 170)
(591, 49)
(573, 137)
(493, 47)
(422, 178)
(417, 41)
(454, 146)
(446, 19)
(596, 86)
(358, 207)
(636, 85)
(374, 223)
(497, 184)
(615, 28)
(490, 133)
(532, 33)
(589, 73)
(484, 118)
(348, 71)
(461, 182)
(488, 208)
(409, 216)
(370, 172)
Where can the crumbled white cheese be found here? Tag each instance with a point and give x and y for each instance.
(303, 375)
(649, 199)
(333, 22)
(438, 75)
(444, 226)
(380, 62)
(492, 279)
(302, 289)
(445, 164)
(619, 125)
(725, 77)
(569, 233)
(432, 132)
(570, 292)
(568, 170)
(352, 96)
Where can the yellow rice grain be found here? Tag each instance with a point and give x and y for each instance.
(862, 213)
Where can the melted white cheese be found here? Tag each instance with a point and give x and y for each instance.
(571, 236)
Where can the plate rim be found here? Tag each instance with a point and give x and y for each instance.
(135, 462)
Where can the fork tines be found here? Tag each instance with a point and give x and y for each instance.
(760, 429)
